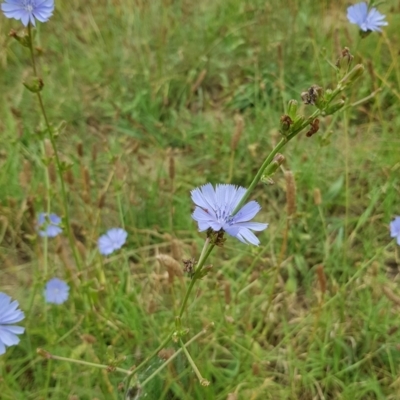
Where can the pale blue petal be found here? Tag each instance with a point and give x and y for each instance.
(357, 13)
(247, 212)
(255, 226)
(7, 337)
(248, 237)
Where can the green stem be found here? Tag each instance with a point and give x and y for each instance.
(147, 359)
(271, 156)
(57, 158)
(203, 382)
(207, 249)
(81, 362)
(194, 338)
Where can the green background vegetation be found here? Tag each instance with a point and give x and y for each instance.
(153, 91)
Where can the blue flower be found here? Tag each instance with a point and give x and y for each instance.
(9, 314)
(370, 20)
(395, 229)
(113, 240)
(56, 291)
(48, 226)
(28, 10)
(215, 207)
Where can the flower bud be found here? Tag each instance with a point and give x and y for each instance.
(34, 84)
(331, 109)
(21, 37)
(285, 123)
(278, 160)
(292, 109)
(352, 76)
(344, 60)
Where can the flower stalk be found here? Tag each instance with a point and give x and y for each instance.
(56, 156)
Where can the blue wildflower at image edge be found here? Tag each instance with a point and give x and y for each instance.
(9, 315)
(49, 225)
(112, 240)
(27, 11)
(395, 229)
(56, 291)
(367, 20)
(214, 209)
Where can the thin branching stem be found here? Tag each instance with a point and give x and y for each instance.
(57, 158)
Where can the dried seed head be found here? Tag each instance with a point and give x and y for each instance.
(69, 176)
(176, 249)
(79, 149)
(239, 127)
(173, 266)
(317, 197)
(290, 193)
(102, 200)
(25, 175)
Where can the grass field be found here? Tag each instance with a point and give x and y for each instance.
(147, 97)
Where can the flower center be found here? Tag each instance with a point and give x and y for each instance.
(28, 5)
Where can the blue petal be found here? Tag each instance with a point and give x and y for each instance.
(247, 212)
(248, 237)
(357, 13)
(255, 226)
(8, 337)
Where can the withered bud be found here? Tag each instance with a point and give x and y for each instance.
(216, 238)
(314, 128)
(189, 265)
(345, 59)
(285, 123)
(313, 96)
(43, 353)
(22, 37)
